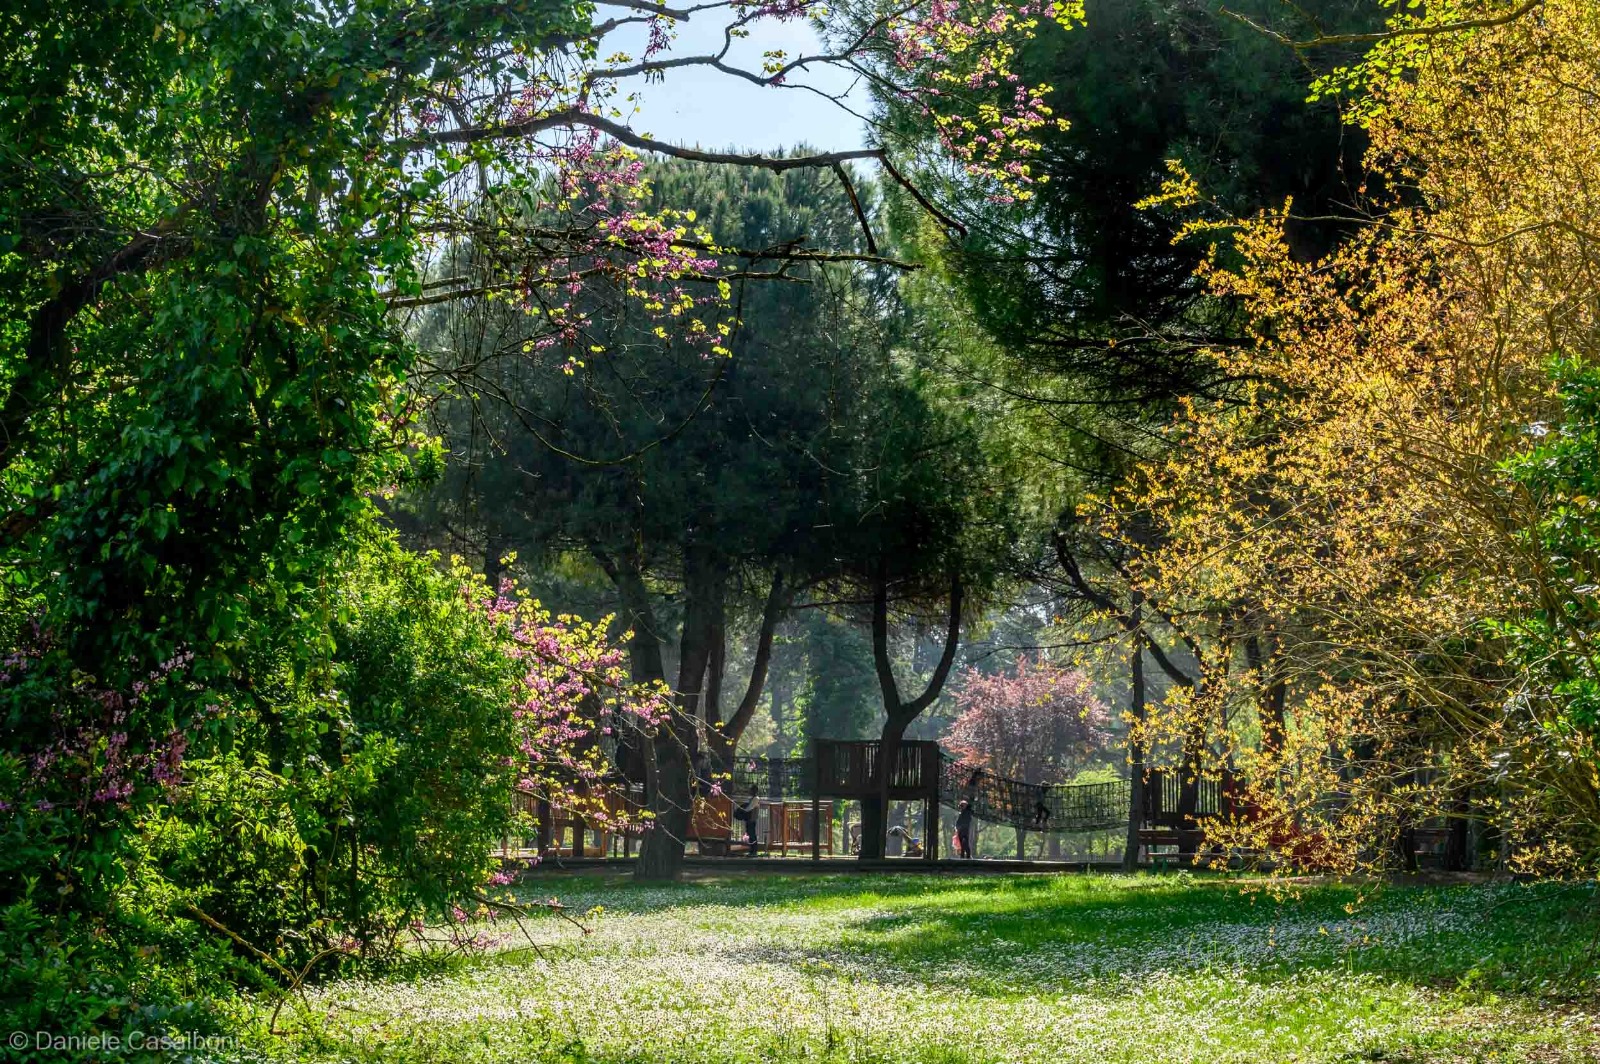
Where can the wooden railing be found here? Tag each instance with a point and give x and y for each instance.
(849, 769)
(1163, 798)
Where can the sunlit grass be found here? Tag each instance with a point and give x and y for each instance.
(1061, 968)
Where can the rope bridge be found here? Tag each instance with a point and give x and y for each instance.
(1063, 808)
(1044, 807)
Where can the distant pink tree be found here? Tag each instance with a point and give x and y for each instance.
(1036, 722)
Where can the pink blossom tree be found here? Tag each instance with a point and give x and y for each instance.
(1035, 722)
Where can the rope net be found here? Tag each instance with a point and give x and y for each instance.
(1062, 808)
(1045, 807)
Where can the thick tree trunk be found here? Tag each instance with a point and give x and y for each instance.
(668, 777)
(669, 798)
(875, 809)
(661, 853)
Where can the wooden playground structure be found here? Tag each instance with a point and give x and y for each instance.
(715, 833)
(713, 830)
(804, 804)
(804, 809)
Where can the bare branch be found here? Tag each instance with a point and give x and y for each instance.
(855, 201)
(569, 118)
(1334, 39)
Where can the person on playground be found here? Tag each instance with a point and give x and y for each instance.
(1041, 815)
(912, 843)
(964, 831)
(748, 810)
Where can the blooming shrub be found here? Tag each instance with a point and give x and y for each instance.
(312, 815)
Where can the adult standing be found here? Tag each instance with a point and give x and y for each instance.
(749, 810)
(964, 831)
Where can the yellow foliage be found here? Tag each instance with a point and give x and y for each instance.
(1342, 514)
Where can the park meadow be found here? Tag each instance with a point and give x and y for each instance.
(943, 532)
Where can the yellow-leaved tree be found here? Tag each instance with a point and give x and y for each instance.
(1341, 539)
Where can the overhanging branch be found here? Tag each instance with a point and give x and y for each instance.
(1330, 40)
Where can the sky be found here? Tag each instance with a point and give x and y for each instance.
(703, 107)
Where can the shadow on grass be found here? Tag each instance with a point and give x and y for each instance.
(1031, 934)
(766, 889)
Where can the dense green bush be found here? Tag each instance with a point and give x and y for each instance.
(380, 803)
(1554, 636)
(1561, 475)
(318, 813)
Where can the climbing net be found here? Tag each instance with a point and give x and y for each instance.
(1033, 806)
(1030, 806)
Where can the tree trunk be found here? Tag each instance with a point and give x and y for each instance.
(494, 553)
(1274, 690)
(661, 853)
(875, 808)
(638, 752)
(1457, 852)
(723, 738)
(1189, 787)
(716, 672)
(899, 714)
(1136, 767)
(670, 799)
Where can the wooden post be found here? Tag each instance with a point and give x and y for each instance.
(930, 820)
(816, 800)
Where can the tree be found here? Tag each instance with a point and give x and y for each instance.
(932, 548)
(1361, 534)
(1036, 722)
(840, 692)
(1081, 281)
(323, 818)
(695, 485)
(1098, 326)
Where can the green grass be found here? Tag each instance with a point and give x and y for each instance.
(1026, 969)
